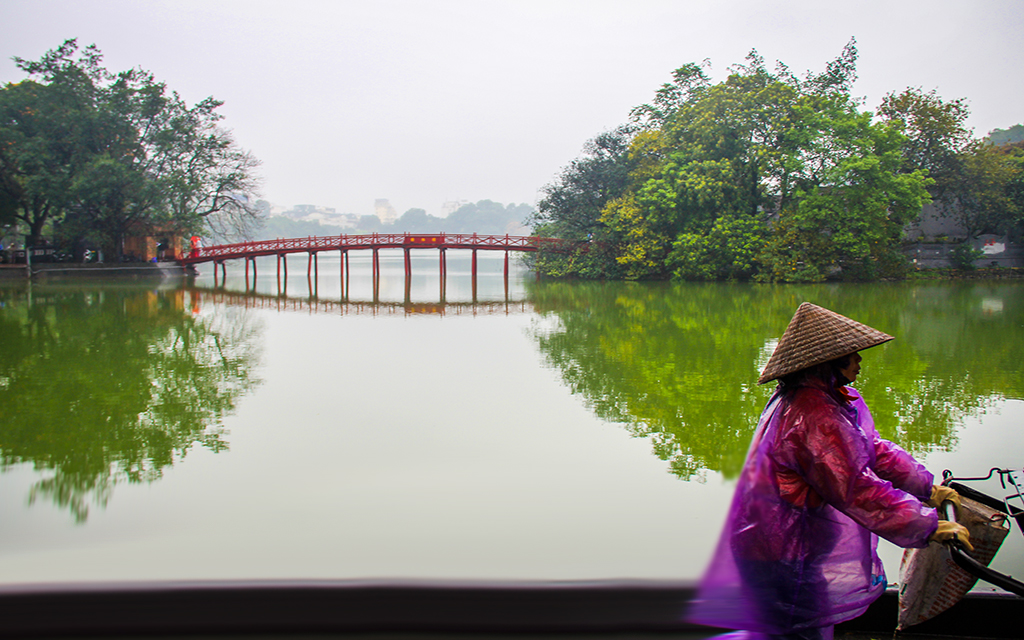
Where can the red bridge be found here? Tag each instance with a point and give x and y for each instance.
(249, 251)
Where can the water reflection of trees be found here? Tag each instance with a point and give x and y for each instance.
(101, 385)
(678, 363)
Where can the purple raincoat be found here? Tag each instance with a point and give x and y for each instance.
(799, 546)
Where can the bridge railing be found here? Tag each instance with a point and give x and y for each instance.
(379, 241)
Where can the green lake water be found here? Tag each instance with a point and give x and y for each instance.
(480, 430)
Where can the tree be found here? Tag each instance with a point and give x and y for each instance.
(761, 175)
(847, 217)
(707, 159)
(47, 133)
(936, 132)
(487, 216)
(985, 194)
(572, 204)
(770, 175)
(209, 181)
(106, 154)
(973, 179)
(419, 221)
(1007, 136)
(1014, 153)
(369, 224)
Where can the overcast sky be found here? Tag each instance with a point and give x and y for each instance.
(439, 100)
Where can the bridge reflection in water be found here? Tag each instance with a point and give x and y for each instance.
(250, 299)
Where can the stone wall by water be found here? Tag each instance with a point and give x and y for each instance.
(997, 252)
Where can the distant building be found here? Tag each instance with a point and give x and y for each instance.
(320, 215)
(385, 211)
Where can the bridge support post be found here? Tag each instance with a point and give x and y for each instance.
(344, 274)
(376, 265)
(408, 263)
(473, 276)
(312, 268)
(444, 272)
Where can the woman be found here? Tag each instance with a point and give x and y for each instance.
(798, 553)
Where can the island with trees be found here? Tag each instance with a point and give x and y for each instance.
(772, 177)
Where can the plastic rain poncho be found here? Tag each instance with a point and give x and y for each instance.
(798, 551)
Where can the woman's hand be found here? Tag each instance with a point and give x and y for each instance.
(949, 530)
(941, 494)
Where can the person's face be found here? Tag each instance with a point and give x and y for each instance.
(851, 370)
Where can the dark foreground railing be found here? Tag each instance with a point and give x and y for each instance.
(584, 610)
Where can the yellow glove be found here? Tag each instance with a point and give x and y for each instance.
(941, 494)
(949, 530)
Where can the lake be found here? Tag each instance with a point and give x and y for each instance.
(485, 429)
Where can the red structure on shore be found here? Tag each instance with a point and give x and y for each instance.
(249, 251)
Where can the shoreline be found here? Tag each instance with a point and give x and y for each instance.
(949, 273)
(136, 270)
(131, 270)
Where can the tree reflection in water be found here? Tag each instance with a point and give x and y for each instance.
(101, 385)
(678, 363)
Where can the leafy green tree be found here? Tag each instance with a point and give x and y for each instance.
(936, 133)
(719, 156)
(731, 250)
(111, 154)
(851, 221)
(984, 194)
(572, 208)
(766, 174)
(48, 132)
(972, 179)
(572, 204)
(210, 182)
(1014, 153)
(763, 175)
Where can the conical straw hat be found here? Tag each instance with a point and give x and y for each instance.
(816, 335)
